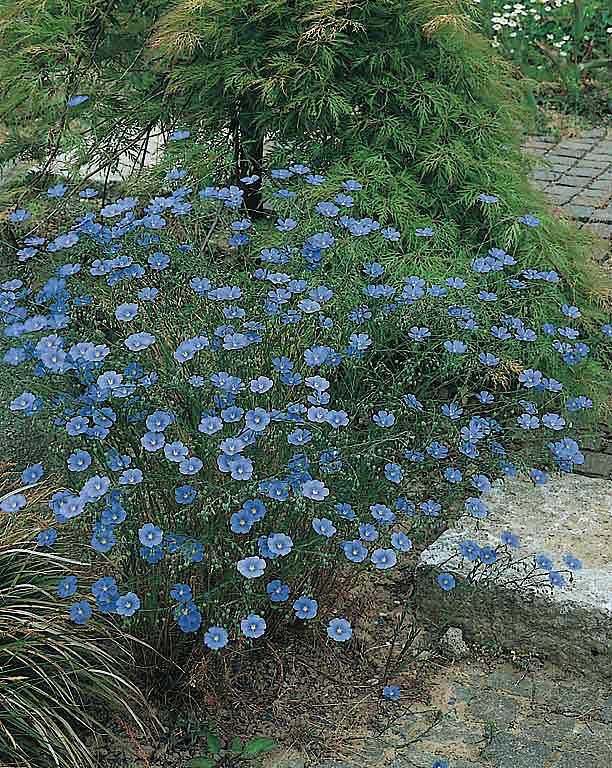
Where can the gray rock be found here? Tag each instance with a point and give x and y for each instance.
(571, 625)
(597, 464)
(453, 645)
(511, 750)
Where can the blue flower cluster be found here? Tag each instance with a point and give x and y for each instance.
(488, 555)
(234, 457)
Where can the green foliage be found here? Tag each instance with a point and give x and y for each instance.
(54, 678)
(228, 66)
(237, 753)
(562, 43)
(405, 91)
(57, 49)
(432, 374)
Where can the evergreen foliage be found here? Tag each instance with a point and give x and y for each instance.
(404, 94)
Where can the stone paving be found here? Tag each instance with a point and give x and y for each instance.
(506, 718)
(577, 178)
(491, 716)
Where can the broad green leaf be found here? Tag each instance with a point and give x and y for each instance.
(201, 762)
(214, 743)
(255, 746)
(237, 745)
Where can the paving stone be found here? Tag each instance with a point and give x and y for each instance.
(334, 764)
(553, 157)
(601, 184)
(535, 151)
(595, 163)
(578, 760)
(587, 197)
(576, 144)
(605, 711)
(576, 697)
(572, 181)
(460, 694)
(562, 188)
(493, 706)
(595, 194)
(466, 764)
(506, 678)
(560, 198)
(579, 211)
(586, 172)
(553, 729)
(511, 750)
(545, 176)
(450, 731)
(576, 153)
(418, 759)
(600, 157)
(559, 167)
(603, 215)
(599, 229)
(477, 736)
(594, 738)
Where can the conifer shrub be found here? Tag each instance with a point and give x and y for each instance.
(407, 96)
(238, 417)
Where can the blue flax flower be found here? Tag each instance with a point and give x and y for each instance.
(216, 638)
(305, 608)
(339, 630)
(253, 625)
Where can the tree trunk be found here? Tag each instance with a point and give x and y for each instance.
(248, 159)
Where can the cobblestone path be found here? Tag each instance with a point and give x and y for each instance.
(577, 178)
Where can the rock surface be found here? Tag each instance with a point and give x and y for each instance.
(453, 645)
(489, 715)
(570, 625)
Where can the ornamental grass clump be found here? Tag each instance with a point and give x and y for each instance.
(247, 426)
(55, 678)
